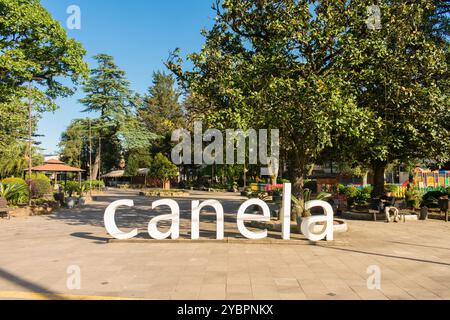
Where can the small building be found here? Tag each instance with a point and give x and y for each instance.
(57, 170)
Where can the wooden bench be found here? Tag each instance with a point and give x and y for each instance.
(4, 210)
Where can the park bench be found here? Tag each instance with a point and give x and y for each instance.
(4, 210)
(444, 206)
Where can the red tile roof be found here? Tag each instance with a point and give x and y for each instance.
(56, 166)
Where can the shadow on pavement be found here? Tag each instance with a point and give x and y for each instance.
(33, 287)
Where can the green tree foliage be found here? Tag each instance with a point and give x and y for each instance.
(74, 144)
(136, 160)
(35, 48)
(107, 90)
(14, 159)
(399, 74)
(161, 111)
(134, 135)
(163, 169)
(117, 132)
(271, 64)
(314, 70)
(40, 185)
(35, 55)
(108, 93)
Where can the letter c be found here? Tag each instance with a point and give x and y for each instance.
(110, 223)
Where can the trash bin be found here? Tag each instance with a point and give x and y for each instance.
(423, 213)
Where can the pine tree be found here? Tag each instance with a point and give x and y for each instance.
(108, 93)
(161, 111)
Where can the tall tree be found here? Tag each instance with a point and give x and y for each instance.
(271, 65)
(74, 144)
(35, 49)
(315, 70)
(400, 74)
(108, 93)
(35, 55)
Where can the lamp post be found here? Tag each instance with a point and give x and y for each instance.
(30, 136)
(90, 159)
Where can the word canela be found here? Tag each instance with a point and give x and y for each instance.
(174, 231)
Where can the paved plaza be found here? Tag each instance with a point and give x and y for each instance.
(36, 253)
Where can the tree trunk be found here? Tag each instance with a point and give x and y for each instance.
(365, 179)
(245, 176)
(96, 166)
(297, 172)
(166, 184)
(379, 169)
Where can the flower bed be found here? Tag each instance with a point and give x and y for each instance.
(164, 193)
(44, 208)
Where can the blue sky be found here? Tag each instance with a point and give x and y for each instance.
(139, 34)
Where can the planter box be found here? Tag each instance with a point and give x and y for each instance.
(369, 216)
(340, 226)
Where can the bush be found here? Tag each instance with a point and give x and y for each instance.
(351, 192)
(413, 198)
(71, 187)
(354, 195)
(431, 199)
(14, 193)
(40, 185)
(390, 188)
(18, 181)
(363, 196)
(20, 190)
(96, 185)
(163, 169)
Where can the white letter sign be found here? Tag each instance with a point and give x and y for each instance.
(110, 223)
(286, 211)
(174, 230)
(307, 227)
(309, 222)
(242, 217)
(195, 224)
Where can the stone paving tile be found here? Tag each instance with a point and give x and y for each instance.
(213, 292)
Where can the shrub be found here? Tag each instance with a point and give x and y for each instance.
(354, 195)
(162, 168)
(71, 187)
(351, 192)
(16, 190)
(96, 185)
(413, 198)
(431, 199)
(18, 181)
(390, 188)
(14, 193)
(363, 196)
(40, 185)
